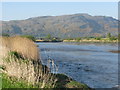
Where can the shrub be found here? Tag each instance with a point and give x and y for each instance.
(14, 53)
(48, 36)
(5, 34)
(108, 35)
(98, 38)
(54, 40)
(112, 38)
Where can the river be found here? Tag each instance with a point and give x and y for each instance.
(91, 64)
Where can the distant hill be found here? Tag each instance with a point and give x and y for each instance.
(65, 26)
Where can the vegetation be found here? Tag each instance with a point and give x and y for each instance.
(119, 37)
(33, 74)
(109, 35)
(98, 38)
(108, 38)
(74, 84)
(48, 36)
(78, 39)
(5, 34)
(26, 36)
(113, 38)
(13, 77)
(13, 82)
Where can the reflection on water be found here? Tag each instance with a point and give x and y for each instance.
(92, 64)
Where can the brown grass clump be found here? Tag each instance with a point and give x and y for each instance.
(24, 46)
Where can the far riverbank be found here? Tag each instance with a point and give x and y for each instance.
(83, 40)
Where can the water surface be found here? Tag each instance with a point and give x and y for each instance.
(91, 64)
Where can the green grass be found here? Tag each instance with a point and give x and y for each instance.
(12, 82)
(74, 84)
(63, 82)
(0, 80)
(15, 56)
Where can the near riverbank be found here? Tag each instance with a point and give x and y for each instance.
(22, 70)
(11, 77)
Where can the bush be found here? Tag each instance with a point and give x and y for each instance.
(98, 38)
(54, 40)
(14, 53)
(5, 34)
(112, 38)
(48, 36)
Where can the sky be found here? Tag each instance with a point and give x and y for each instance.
(24, 10)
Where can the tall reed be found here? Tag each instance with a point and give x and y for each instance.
(21, 59)
(24, 46)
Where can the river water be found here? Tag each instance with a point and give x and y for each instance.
(91, 64)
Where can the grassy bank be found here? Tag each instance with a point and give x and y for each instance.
(63, 82)
(18, 75)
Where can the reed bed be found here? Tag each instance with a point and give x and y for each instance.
(33, 73)
(20, 58)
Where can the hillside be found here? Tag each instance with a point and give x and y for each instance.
(65, 26)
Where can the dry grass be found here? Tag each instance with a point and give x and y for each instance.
(26, 67)
(33, 73)
(4, 46)
(24, 46)
(18, 68)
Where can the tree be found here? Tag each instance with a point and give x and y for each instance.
(5, 34)
(113, 38)
(48, 36)
(119, 37)
(109, 35)
(98, 38)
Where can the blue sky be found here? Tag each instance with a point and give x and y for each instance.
(24, 10)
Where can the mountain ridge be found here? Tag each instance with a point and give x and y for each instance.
(64, 26)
